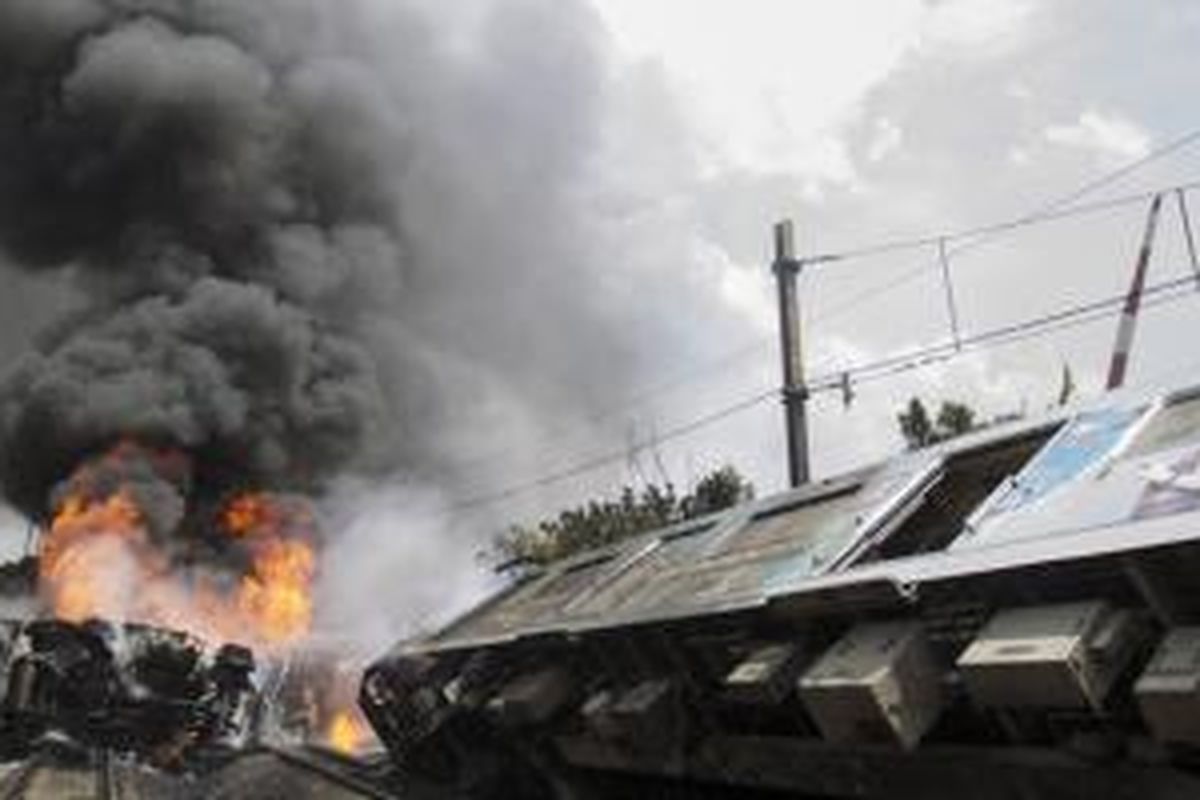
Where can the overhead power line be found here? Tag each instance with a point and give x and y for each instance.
(991, 229)
(1156, 295)
(637, 400)
(1051, 212)
(1059, 208)
(985, 233)
(722, 362)
(614, 457)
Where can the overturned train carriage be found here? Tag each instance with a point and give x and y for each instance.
(1015, 613)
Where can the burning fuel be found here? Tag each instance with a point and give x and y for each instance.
(88, 542)
(262, 225)
(231, 251)
(348, 733)
(276, 596)
(107, 555)
(242, 206)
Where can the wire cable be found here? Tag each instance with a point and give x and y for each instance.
(1049, 213)
(1156, 295)
(614, 457)
(1072, 316)
(1058, 208)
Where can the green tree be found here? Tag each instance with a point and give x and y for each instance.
(915, 425)
(953, 419)
(600, 522)
(1067, 387)
(720, 489)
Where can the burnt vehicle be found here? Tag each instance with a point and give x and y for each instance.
(1013, 613)
(102, 710)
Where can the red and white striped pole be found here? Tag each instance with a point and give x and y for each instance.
(1133, 302)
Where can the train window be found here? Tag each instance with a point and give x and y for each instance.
(969, 478)
(1085, 442)
(675, 548)
(1174, 425)
(573, 578)
(807, 525)
(687, 533)
(1062, 488)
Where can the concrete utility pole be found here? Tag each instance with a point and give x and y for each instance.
(1133, 302)
(787, 268)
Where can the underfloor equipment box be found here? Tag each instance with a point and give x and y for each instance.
(647, 716)
(1168, 691)
(1064, 656)
(766, 676)
(532, 698)
(879, 683)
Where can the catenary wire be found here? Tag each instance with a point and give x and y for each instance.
(1059, 208)
(1157, 295)
(718, 364)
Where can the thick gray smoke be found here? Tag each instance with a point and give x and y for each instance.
(229, 243)
(302, 240)
(305, 237)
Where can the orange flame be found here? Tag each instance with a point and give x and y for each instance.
(348, 732)
(252, 513)
(86, 540)
(277, 594)
(98, 559)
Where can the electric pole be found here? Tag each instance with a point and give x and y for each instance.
(1133, 302)
(795, 395)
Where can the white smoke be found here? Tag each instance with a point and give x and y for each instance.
(396, 567)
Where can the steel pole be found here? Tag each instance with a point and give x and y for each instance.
(795, 395)
(1127, 326)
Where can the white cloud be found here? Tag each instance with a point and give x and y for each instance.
(888, 137)
(746, 291)
(1108, 135)
(983, 26)
(1018, 91)
(782, 107)
(768, 82)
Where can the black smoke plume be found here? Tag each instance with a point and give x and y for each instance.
(226, 225)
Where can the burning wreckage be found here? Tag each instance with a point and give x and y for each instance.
(102, 710)
(1011, 614)
(179, 173)
(91, 707)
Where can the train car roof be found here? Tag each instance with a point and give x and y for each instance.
(1085, 485)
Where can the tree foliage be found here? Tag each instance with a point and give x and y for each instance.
(953, 419)
(1067, 388)
(915, 426)
(600, 522)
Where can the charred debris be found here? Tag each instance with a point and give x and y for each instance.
(106, 710)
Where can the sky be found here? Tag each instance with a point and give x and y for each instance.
(872, 121)
(595, 183)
